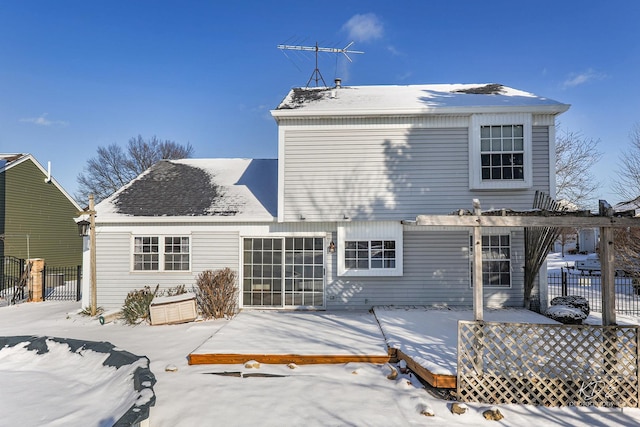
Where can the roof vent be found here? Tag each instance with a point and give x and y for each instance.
(338, 83)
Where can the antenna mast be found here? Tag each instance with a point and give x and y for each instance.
(316, 75)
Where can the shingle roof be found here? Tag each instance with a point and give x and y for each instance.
(235, 189)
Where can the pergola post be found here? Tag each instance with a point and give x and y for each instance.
(478, 297)
(607, 262)
(607, 265)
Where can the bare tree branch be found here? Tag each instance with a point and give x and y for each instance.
(112, 167)
(627, 182)
(575, 156)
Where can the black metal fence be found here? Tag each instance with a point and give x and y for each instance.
(62, 283)
(11, 270)
(58, 283)
(572, 282)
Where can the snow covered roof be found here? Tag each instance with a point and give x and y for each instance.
(630, 207)
(220, 189)
(414, 99)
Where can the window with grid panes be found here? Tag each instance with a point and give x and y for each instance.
(146, 253)
(155, 253)
(496, 260)
(369, 254)
(502, 152)
(176, 253)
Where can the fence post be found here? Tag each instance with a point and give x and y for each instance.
(44, 282)
(564, 282)
(78, 282)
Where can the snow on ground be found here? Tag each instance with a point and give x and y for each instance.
(313, 395)
(430, 336)
(555, 261)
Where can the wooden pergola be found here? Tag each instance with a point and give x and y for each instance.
(476, 220)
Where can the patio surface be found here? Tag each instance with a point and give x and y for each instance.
(425, 337)
(295, 337)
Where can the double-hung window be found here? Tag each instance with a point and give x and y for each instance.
(161, 253)
(496, 260)
(366, 250)
(369, 254)
(500, 151)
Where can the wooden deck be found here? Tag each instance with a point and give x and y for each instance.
(283, 359)
(435, 380)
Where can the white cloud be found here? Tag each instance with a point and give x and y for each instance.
(364, 27)
(577, 79)
(44, 121)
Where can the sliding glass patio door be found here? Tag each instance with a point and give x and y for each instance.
(283, 272)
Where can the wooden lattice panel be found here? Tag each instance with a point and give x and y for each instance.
(551, 365)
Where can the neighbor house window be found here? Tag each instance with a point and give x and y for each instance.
(149, 251)
(369, 254)
(500, 152)
(496, 260)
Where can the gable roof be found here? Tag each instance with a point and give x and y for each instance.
(197, 189)
(413, 99)
(8, 161)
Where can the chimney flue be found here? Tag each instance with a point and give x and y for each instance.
(338, 83)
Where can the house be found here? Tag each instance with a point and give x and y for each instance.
(324, 226)
(36, 213)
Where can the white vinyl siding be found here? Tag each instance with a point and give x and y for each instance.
(115, 279)
(391, 174)
(436, 273)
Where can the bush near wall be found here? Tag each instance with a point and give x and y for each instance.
(217, 293)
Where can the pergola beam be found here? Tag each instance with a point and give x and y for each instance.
(524, 221)
(605, 221)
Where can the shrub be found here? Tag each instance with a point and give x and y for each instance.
(178, 290)
(136, 305)
(217, 293)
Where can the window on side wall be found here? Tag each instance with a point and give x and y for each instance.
(161, 253)
(496, 260)
(500, 151)
(369, 254)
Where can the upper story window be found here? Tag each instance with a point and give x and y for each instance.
(500, 152)
(156, 253)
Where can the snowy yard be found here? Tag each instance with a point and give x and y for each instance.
(589, 285)
(313, 395)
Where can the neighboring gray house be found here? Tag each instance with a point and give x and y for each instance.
(322, 226)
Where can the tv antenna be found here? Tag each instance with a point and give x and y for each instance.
(316, 75)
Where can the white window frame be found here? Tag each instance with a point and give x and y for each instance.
(475, 166)
(486, 233)
(161, 253)
(370, 231)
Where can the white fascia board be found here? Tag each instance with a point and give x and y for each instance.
(211, 220)
(533, 109)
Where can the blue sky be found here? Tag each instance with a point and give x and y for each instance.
(76, 75)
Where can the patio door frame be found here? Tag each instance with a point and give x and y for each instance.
(258, 285)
